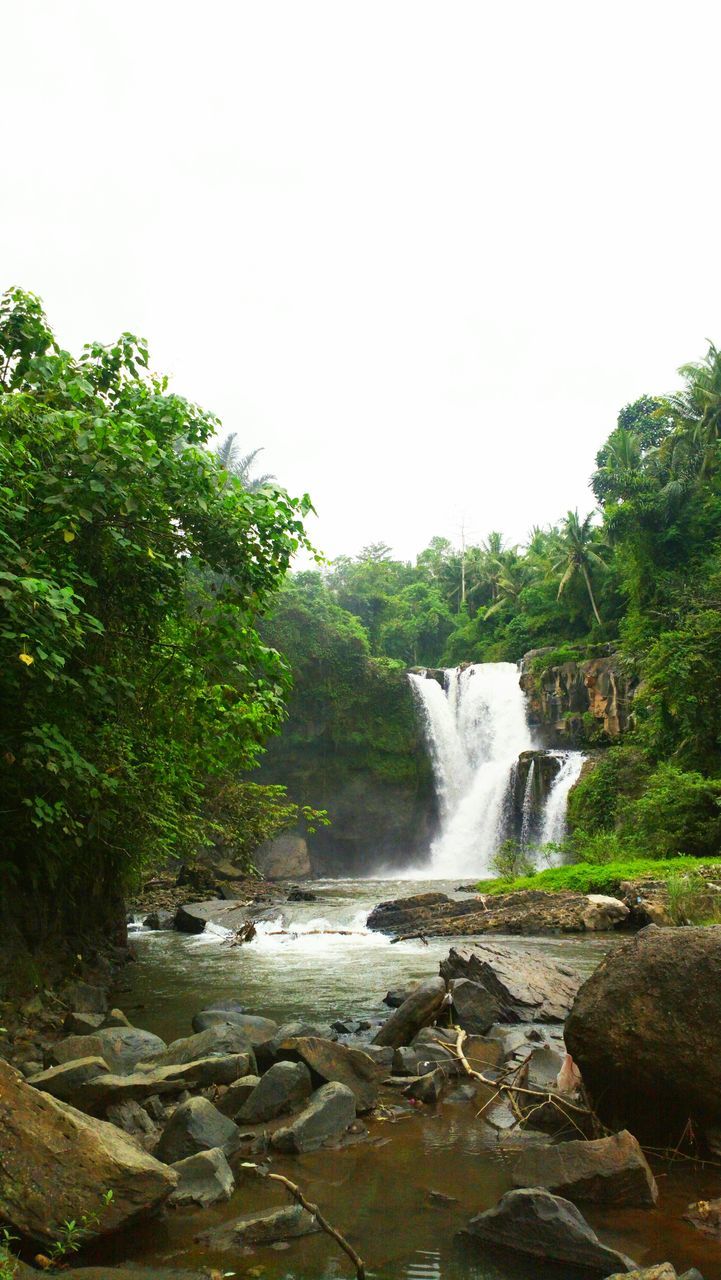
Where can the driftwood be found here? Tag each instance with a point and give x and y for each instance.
(245, 933)
(411, 937)
(313, 1209)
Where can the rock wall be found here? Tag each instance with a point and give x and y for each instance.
(577, 703)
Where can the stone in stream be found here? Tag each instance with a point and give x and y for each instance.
(267, 1226)
(426, 1088)
(529, 912)
(217, 1041)
(330, 1112)
(67, 1080)
(329, 1060)
(116, 1018)
(57, 1163)
(421, 1008)
(109, 1090)
(82, 1024)
(232, 1099)
(203, 1179)
(542, 1068)
(160, 920)
(397, 995)
(283, 1088)
(610, 1170)
(533, 1221)
(269, 1052)
(705, 1216)
(257, 1030)
(196, 1125)
(122, 1048)
(133, 1119)
(419, 1059)
(474, 1008)
(192, 917)
(663, 1271)
(528, 987)
(644, 1031)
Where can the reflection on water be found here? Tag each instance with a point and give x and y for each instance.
(377, 1192)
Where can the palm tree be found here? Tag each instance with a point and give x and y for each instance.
(514, 576)
(577, 537)
(698, 407)
(239, 464)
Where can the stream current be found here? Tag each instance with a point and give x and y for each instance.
(378, 1191)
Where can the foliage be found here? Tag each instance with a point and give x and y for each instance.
(76, 1233)
(584, 877)
(244, 814)
(133, 570)
(511, 861)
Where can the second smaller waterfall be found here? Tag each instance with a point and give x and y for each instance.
(553, 829)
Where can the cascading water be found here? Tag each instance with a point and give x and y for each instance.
(476, 729)
(553, 829)
(528, 808)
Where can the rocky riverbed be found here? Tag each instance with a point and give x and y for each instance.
(458, 1083)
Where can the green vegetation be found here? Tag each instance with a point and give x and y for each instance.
(134, 566)
(586, 877)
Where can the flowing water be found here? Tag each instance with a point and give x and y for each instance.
(554, 817)
(377, 1191)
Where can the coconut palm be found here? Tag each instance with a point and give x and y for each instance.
(697, 408)
(239, 464)
(579, 557)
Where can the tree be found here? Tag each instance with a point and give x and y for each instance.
(698, 407)
(579, 557)
(239, 464)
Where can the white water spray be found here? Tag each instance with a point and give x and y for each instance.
(476, 729)
(554, 816)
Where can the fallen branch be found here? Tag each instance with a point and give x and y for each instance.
(245, 933)
(313, 1209)
(411, 937)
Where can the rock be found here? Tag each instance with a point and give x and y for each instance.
(397, 995)
(419, 1059)
(121, 1047)
(257, 1030)
(116, 1018)
(124, 1273)
(644, 1032)
(543, 1067)
(269, 1052)
(203, 1179)
(262, 1228)
(218, 1041)
(605, 1170)
(664, 1271)
(474, 1008)
(132, 1119)
(41, 1187)
(82, 1024)
(235, 1095)
(545, 1226)
(329, 1061)
(604, 913)
(283, 1088)
(528, 987)
(82, 997)
(422, 1007)
(109, 1090)
(66, 1081)
(528, 911)
(160, 920)
(705, 1216)
(426, 1088)
(330, 1112)
(226, 913)
(297, 894)
(195, 1126)
(284, 858)
(381, 1054)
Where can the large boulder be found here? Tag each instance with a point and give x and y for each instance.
(256, 1029)
(535, 1222)
(527, 986)
(110, 1090)
(329, 1113)
(474, 1008)
(270, 1051)
(644, 1031)
(56, 1163)
(196, 1125)
(217, 1042)
(284, 858)
(66, 1081)
(605, 1170)
(527, 912)
(203, 1179)
(421, 1008)
(264, 1227)
(283, 1088)
(122, 1048)
(329, 1060)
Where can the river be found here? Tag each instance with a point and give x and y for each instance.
(378, 1192)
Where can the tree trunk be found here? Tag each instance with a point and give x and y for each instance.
(591, 597)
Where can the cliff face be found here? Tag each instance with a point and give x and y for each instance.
(577, 703)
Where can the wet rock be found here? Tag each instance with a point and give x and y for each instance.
(83, 997)
(284, 858)
(328, 1060)
(330, 1112)
(283, 1088)
(203, 1179)
(529, 911)
(546, 1226)
(66, 1081)
(116, 1018)
(542, 1069)
(381, 1054)
(195, 1126)
(664, 1271)
(705, 1216)
(297, 894)
(397, 995)
(474, 1008)
(419, 1059)
(426, 1088)
(218, 1041)
(122, 1048)
(257, 1030)
(644, 1032)
(421, 1008)
(605, 1170)
(263, 1228)
(109, 1090)
(226, 913)
(132, 1119)
(230, 1102)
(160, 920)
(82, 1024)
(41, 1188)
(528, 987)
(270, 1051)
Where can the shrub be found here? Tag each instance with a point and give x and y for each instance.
(511, 861)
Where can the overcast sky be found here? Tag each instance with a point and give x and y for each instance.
(422, 253)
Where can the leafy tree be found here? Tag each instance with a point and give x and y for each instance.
(579, 557)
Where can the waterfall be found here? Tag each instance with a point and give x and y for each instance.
(476, 728)
(527, 818)
(554, 818)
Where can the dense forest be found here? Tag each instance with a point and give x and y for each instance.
(150, 627)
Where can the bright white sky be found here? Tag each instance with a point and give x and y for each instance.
(422, 252)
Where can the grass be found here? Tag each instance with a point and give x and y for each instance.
(585, 877)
